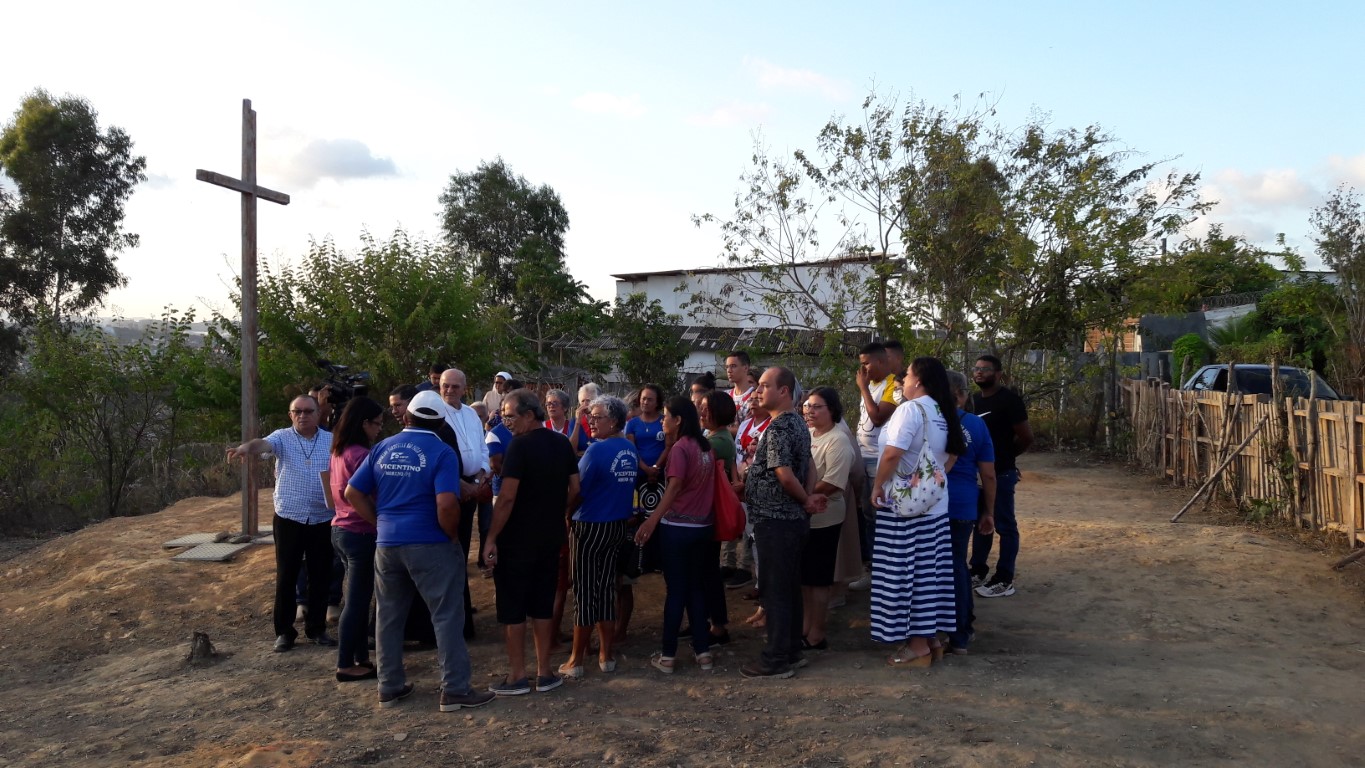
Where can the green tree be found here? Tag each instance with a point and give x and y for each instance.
(550, 305)
(1200, 268)
(112, 407)
(389, 309)
(64, 230)
(1340, 240)
(786, 274)
(1082, 220)
(489, 214)
(648, 342)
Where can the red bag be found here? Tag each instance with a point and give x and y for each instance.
(729, 512)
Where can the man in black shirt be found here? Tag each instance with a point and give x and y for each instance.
(539, 476)
(1007, 419)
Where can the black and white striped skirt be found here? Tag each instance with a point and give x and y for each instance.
(596, 547)
(912, 578)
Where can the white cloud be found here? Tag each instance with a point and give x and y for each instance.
(734, 113)
(1347, 170)
(770, 75)
(1273, 189)
(601, 103)
(160, 181)
(336, 159)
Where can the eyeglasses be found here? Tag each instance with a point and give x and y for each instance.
(303, 411)
(595, 417)
(983, 369)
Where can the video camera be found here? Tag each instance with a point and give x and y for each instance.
(344, 385)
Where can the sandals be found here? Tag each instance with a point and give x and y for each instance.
(904, 658)
(706, 661)
(571, 672)
(662, 663)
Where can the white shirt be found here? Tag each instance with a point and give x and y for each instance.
(469, 432)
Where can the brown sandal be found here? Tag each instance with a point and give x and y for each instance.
(904, 658)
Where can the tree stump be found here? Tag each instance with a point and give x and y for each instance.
(201, 650)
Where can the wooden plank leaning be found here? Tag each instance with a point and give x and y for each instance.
(1227, 462)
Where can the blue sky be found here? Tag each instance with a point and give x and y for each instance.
(643, 115)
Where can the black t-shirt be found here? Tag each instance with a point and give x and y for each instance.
(1001, 412)
(542, 461)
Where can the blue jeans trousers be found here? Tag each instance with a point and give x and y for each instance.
(961, 531)
(1006, 526)
(434, 573)
(356, 550)
(687, 553)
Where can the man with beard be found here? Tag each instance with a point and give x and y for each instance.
(1007, 419)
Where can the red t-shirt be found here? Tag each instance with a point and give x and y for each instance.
(694, 504)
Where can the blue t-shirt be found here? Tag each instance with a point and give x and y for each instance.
(404, 473)
(962, 488)
(498, 438)
(581, 444)
(649, 438)
(606, 479)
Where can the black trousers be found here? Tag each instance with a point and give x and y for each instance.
(292, 541)
(467, 511)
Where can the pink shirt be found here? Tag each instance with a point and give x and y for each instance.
(342, 467)
(695, 471)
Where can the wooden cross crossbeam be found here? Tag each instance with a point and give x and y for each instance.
(241, 186)
(250, 191)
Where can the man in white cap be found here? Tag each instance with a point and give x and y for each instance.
(409, 488)
(492, 399)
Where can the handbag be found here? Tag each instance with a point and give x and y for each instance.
(729, 511)
(915, 493)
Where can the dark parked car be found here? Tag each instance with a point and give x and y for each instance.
(1255, 380)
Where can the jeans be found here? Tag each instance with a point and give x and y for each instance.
(357, 551)
(780, 544)
(687, 554)
(436, 573)
(1006, 525)
(294, 541)
(961, 531)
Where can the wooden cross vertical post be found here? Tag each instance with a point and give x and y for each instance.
(250, 191)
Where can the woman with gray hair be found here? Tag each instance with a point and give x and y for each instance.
(558, 419)
(964, 501)
(605, 501)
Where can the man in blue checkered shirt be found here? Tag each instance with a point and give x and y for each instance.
(302, 522)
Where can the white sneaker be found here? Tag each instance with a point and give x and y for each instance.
(333, 614)
(998, 589)
(300, 613)
(859, 585)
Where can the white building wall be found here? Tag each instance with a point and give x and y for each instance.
(664, 287)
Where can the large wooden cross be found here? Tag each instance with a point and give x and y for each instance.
(250, 191)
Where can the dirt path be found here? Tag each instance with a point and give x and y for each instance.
(1132, 642)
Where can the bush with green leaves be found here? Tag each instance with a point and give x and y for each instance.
(1188, 353)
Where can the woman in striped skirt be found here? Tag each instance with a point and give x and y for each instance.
(912, 558)
(606, 477)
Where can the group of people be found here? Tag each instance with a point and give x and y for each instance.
(575, 499)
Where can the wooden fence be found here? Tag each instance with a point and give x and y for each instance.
(1301, 459)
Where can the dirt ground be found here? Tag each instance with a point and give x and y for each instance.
(1132, 642)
